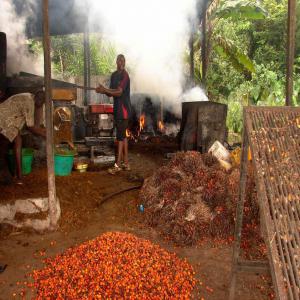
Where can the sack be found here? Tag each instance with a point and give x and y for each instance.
(219, 151)
(221, 154)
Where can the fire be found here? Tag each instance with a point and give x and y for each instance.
(142, 122)
(161, 126)
(129, 134)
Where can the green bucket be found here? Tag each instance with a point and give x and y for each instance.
(27, 158)
(63, 162)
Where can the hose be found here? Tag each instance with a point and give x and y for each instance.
(105, 198)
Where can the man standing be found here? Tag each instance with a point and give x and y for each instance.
(119, 89)
(16, 112)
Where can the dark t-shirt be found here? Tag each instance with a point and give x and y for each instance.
(122, 105)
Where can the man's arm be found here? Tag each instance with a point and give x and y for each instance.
(38, 130)
(109, 92)
(114, 92)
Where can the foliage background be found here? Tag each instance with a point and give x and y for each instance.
(68, 59)
(263, 41)
(246, 61)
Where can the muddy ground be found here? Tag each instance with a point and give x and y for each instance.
(85, 216)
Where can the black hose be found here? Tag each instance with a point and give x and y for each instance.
(120, 192)
(2, 268)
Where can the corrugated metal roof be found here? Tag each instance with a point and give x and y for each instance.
(65, 16)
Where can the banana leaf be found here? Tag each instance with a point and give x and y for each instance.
(239, 60)
(241, 9)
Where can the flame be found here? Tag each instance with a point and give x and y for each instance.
(161, 126)
(142, 122)
(129, 134)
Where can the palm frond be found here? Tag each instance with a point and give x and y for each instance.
(239, 60)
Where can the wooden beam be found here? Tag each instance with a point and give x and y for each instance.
(203, 45)
(87, 64)
(239, 213)
(49, 119)
(64, 94)
(192, 64)
(290, 51)
(3, 58)
(253, 266)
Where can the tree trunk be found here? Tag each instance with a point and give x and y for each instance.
(54, 207)
(203, 47)
(61, 63)
(192, 62)
(290, 51)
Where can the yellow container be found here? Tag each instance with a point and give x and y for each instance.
(236, 154)
(81, 167)
(249, 154)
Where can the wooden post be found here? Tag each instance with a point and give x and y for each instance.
(3, 58)
(87, 64)
(239, 212)
(203, 44)
(192, 64)
(49, 119)
(290, 51)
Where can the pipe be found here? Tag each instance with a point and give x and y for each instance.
(105, 198)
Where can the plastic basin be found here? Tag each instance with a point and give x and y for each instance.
(63, 163)
(27, 158)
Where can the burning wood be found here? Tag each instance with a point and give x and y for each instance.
(129, 135)
(142, 122)
(161, 126)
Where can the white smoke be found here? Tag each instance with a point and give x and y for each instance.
(172, 129)
(153, 36)
(18, 56)
(195, 94)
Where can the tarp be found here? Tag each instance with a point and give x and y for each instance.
(65, 16)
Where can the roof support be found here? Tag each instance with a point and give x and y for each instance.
(204, 44)
(3, 57)
(53, 205)
(192, 63)
(290, 51)
(87, 64)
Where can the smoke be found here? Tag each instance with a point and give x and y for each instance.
(195, 94)
(153, 36)
(18, 56)
(172, 129)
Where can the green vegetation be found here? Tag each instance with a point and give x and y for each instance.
(247, 56)
(68, 58)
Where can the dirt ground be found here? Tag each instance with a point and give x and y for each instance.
(86, 216)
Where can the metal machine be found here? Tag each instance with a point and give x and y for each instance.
(203, 123)
(100, 120)
(62, 123)
(100, 131)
